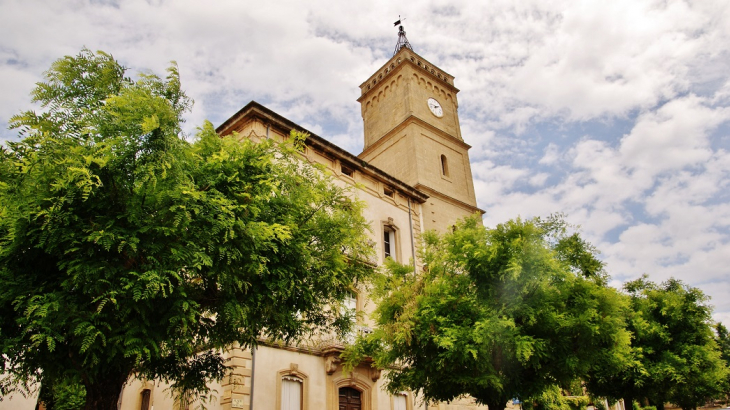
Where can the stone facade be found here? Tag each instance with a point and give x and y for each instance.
(406, 139)
(413, 174)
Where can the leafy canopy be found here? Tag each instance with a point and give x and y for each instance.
(674, 355)
(501, 313)
(125, 249)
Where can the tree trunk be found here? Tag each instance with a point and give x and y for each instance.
(104, 393)
(45, 397)
(628, 402)
(496, 405)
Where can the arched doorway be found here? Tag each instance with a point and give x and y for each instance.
(350, 399)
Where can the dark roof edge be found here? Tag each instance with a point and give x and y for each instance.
(286, 125)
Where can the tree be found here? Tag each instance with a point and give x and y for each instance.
(723, 342)
(501, 313)
(674, 357)
(125, 250)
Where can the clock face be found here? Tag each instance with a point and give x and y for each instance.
(435, 107)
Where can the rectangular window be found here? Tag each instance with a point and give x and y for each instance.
(145, 405)
(291, 394)
(399, 402)
(351, 302)
(350, 308)
(387, 242)
(444, 166)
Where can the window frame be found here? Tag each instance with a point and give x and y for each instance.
(406, 396)
(444, 166)
(292, 373)
(394, 241)
(146, 393)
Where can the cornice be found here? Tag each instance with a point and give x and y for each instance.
(412, 119)
(254, 110)
(406, 57)
(434, 193)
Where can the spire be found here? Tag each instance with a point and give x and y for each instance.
(402, 40)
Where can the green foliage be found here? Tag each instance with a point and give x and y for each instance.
(674, 356)
(723, 342)
(577, 402)
(63, 394)
(574, 388)
(124, 248)
(552, 399)
(498, 313)
(549, 399)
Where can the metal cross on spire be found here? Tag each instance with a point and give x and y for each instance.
(402, 40)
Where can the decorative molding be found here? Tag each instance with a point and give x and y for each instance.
(375, 374)
(254, 111)
(331, 363)
(293, 373)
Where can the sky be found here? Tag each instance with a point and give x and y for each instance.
(615, 113)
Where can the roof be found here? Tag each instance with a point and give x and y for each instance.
(255, 110)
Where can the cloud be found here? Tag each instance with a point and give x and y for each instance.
(654, 200)
(672, 137)
(551, 155)
(615, 113)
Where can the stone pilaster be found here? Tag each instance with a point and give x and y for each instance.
(237, 385)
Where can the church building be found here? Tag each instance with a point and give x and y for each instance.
(413, 174)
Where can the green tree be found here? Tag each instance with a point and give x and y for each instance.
(723, 342)
(497, 314)
(674, 357)
(125, 250)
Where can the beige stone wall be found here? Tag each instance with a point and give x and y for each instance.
(440, 214)
(395, 155)
(400, 89)
(386, 108)
(466, 403)
(381, 208)
(404, 139)
(413, 155)
(458, 182)
(405, 95)
(19, 402)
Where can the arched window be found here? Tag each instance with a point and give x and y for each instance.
(146, 397)
(350, 399)
(291, 393)
(291, 389)
(444, 166)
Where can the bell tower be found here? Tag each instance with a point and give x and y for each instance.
(411, 121)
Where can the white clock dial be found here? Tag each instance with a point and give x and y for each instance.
(435, 107)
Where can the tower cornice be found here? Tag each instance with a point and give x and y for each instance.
(412, 119)
(404, 57)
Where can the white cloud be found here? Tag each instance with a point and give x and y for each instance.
(551, 154)
(538, 179)
(646, 85)
(672, 137)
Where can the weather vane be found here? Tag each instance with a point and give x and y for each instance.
(402, 40)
